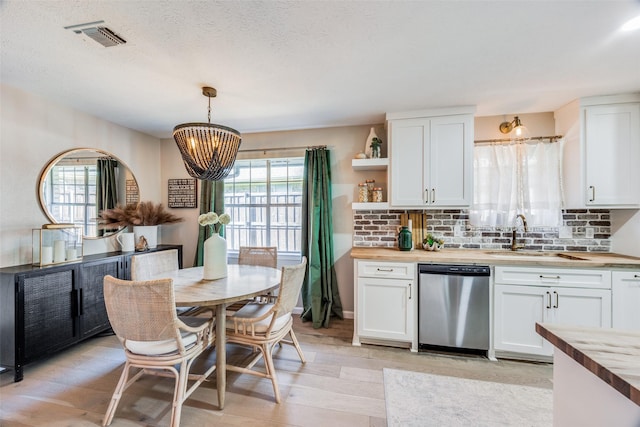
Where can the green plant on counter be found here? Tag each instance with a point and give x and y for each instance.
(430, 239)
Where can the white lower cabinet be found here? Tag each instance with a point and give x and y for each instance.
(625, 291)
(526, 295)
(386, 302)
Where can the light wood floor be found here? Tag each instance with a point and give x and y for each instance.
(340, 385)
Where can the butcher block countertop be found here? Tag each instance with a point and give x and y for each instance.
(500, 257)
(611, 355)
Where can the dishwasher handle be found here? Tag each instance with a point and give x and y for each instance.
(454, 270)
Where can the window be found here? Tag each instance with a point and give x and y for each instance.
(72, 196)
(522, 178)
(264, 199)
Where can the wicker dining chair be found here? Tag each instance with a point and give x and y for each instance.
(152, 265)
(155, 340)
(266, 256)
(264, 325)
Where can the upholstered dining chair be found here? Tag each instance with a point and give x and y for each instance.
(155, 340)
(264, 325)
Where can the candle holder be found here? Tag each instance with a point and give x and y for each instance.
(56, 244)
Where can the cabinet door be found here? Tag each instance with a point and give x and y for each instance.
(582, 307)
(93, 312)
(612, 153)
(50, 313)
(408, 156)
(125, 267)
(516, 311)
(625, 294)
(450, 161)
(385, 309)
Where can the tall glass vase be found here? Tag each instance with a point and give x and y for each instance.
(215, 258)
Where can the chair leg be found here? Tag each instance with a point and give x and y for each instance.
(296, 345)
(179, 393)
(117, 394)
(268, 363)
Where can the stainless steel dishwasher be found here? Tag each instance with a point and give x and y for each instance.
(453, 306)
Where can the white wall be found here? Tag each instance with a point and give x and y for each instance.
(33, 130)
(343, 142)
(538, 124)
(625, 231)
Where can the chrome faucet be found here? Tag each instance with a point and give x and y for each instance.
(514, 245)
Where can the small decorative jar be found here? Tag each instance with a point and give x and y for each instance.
(376, 195)
(363, 192)
(370, 184)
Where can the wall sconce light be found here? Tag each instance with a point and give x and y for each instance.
(208, 150)
(520, 132)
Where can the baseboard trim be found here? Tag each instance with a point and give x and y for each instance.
(347, 314)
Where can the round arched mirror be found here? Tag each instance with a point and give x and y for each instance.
(77, 184)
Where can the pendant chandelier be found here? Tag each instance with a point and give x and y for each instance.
(208, 150)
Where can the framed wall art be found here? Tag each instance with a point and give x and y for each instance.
(183, 193)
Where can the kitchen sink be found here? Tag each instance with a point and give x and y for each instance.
(530, 254)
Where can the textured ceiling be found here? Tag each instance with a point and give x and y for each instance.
(304, 64)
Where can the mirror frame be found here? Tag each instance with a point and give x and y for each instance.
(54, 161)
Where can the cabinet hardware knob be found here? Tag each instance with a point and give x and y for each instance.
(433, 195)
(409, 290)
(636, 276)
(593, 193)
(426, 190)
(557, 299)
(385, 269)
(550, 277)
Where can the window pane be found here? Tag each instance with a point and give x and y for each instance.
(73, 196)
(264, 200)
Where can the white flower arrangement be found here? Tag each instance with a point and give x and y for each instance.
(214, 220)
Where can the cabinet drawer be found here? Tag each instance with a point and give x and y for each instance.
(558, 277)
(393, 270)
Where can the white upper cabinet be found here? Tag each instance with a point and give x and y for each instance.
(431, 158)
(602, 151)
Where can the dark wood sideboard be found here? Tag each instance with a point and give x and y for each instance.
(46, 309)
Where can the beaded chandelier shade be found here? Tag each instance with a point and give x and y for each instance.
(208, 150)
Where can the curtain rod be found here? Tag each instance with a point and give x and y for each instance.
(553, 138)
(283, 148)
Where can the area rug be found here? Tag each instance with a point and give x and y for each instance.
(418, 399)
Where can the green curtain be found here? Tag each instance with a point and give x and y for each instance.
(211, 200)
(320, 296)
(106, 186)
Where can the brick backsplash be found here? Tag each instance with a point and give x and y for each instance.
(373, 228)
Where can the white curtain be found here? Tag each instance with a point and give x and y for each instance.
(523, 177)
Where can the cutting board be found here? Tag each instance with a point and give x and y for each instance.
(419, 227)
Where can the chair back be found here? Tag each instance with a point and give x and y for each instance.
(146, 266)
(141, 310)
(266, 256)
(290, 285)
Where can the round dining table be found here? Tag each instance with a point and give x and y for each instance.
(242, 282)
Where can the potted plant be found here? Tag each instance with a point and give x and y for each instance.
(143, 217)
(432, 243)
(375, 147)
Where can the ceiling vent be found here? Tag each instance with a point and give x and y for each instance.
(103, 35)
